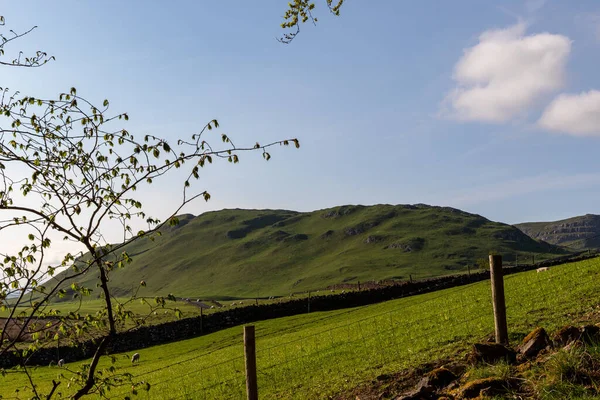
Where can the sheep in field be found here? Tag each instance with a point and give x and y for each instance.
(542, 269)
(135, 358)
(61, 362)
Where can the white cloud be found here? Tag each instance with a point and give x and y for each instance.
(573, 114)
(504, 75)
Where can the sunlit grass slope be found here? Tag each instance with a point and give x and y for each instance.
(313, 355)
(260, 253)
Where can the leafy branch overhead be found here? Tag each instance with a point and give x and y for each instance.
(300, 12)
(37, 60)
(70, 172)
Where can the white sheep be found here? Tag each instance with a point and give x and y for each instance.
(198, 301)
(211, 307)
(542, 269)
(241, 302)
(135, 358)
(61, 363)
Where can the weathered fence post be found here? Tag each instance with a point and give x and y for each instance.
(250, 357)
(309, 302)
(410, 276)
(469, 269)
(498, 302)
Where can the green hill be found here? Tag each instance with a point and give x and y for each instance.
(581, 232)
(258, 253)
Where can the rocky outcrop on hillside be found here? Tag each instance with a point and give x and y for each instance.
(578, 232)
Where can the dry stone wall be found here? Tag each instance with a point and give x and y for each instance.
(191, 327)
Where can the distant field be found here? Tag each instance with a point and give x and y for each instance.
(91, 306)
(313, 355)
(188, 308)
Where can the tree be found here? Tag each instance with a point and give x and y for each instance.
(68, 171)
(300, 12)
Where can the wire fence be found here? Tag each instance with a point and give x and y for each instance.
(319, 354)
(333, 353)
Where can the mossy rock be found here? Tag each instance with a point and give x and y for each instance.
(534, 343)
(565, 335)
(490, 386)
(440, 377)
(491, 353)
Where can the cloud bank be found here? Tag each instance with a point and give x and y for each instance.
(506, 73)
(573, 114)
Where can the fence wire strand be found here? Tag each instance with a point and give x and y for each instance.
(387, 338)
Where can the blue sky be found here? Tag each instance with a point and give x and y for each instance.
(486, 106)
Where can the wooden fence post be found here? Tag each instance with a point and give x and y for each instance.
(250, 357)
(309, 302)
(201, 320)
(498, 302)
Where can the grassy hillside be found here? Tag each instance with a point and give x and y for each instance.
(313, 355)
(258, 253)
(581, 232)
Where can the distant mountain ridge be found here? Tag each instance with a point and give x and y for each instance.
(580, 232)
(254, 253)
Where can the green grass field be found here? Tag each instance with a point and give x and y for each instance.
(91, 306)
(318, 354)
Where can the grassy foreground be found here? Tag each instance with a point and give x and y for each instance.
(319, 354)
